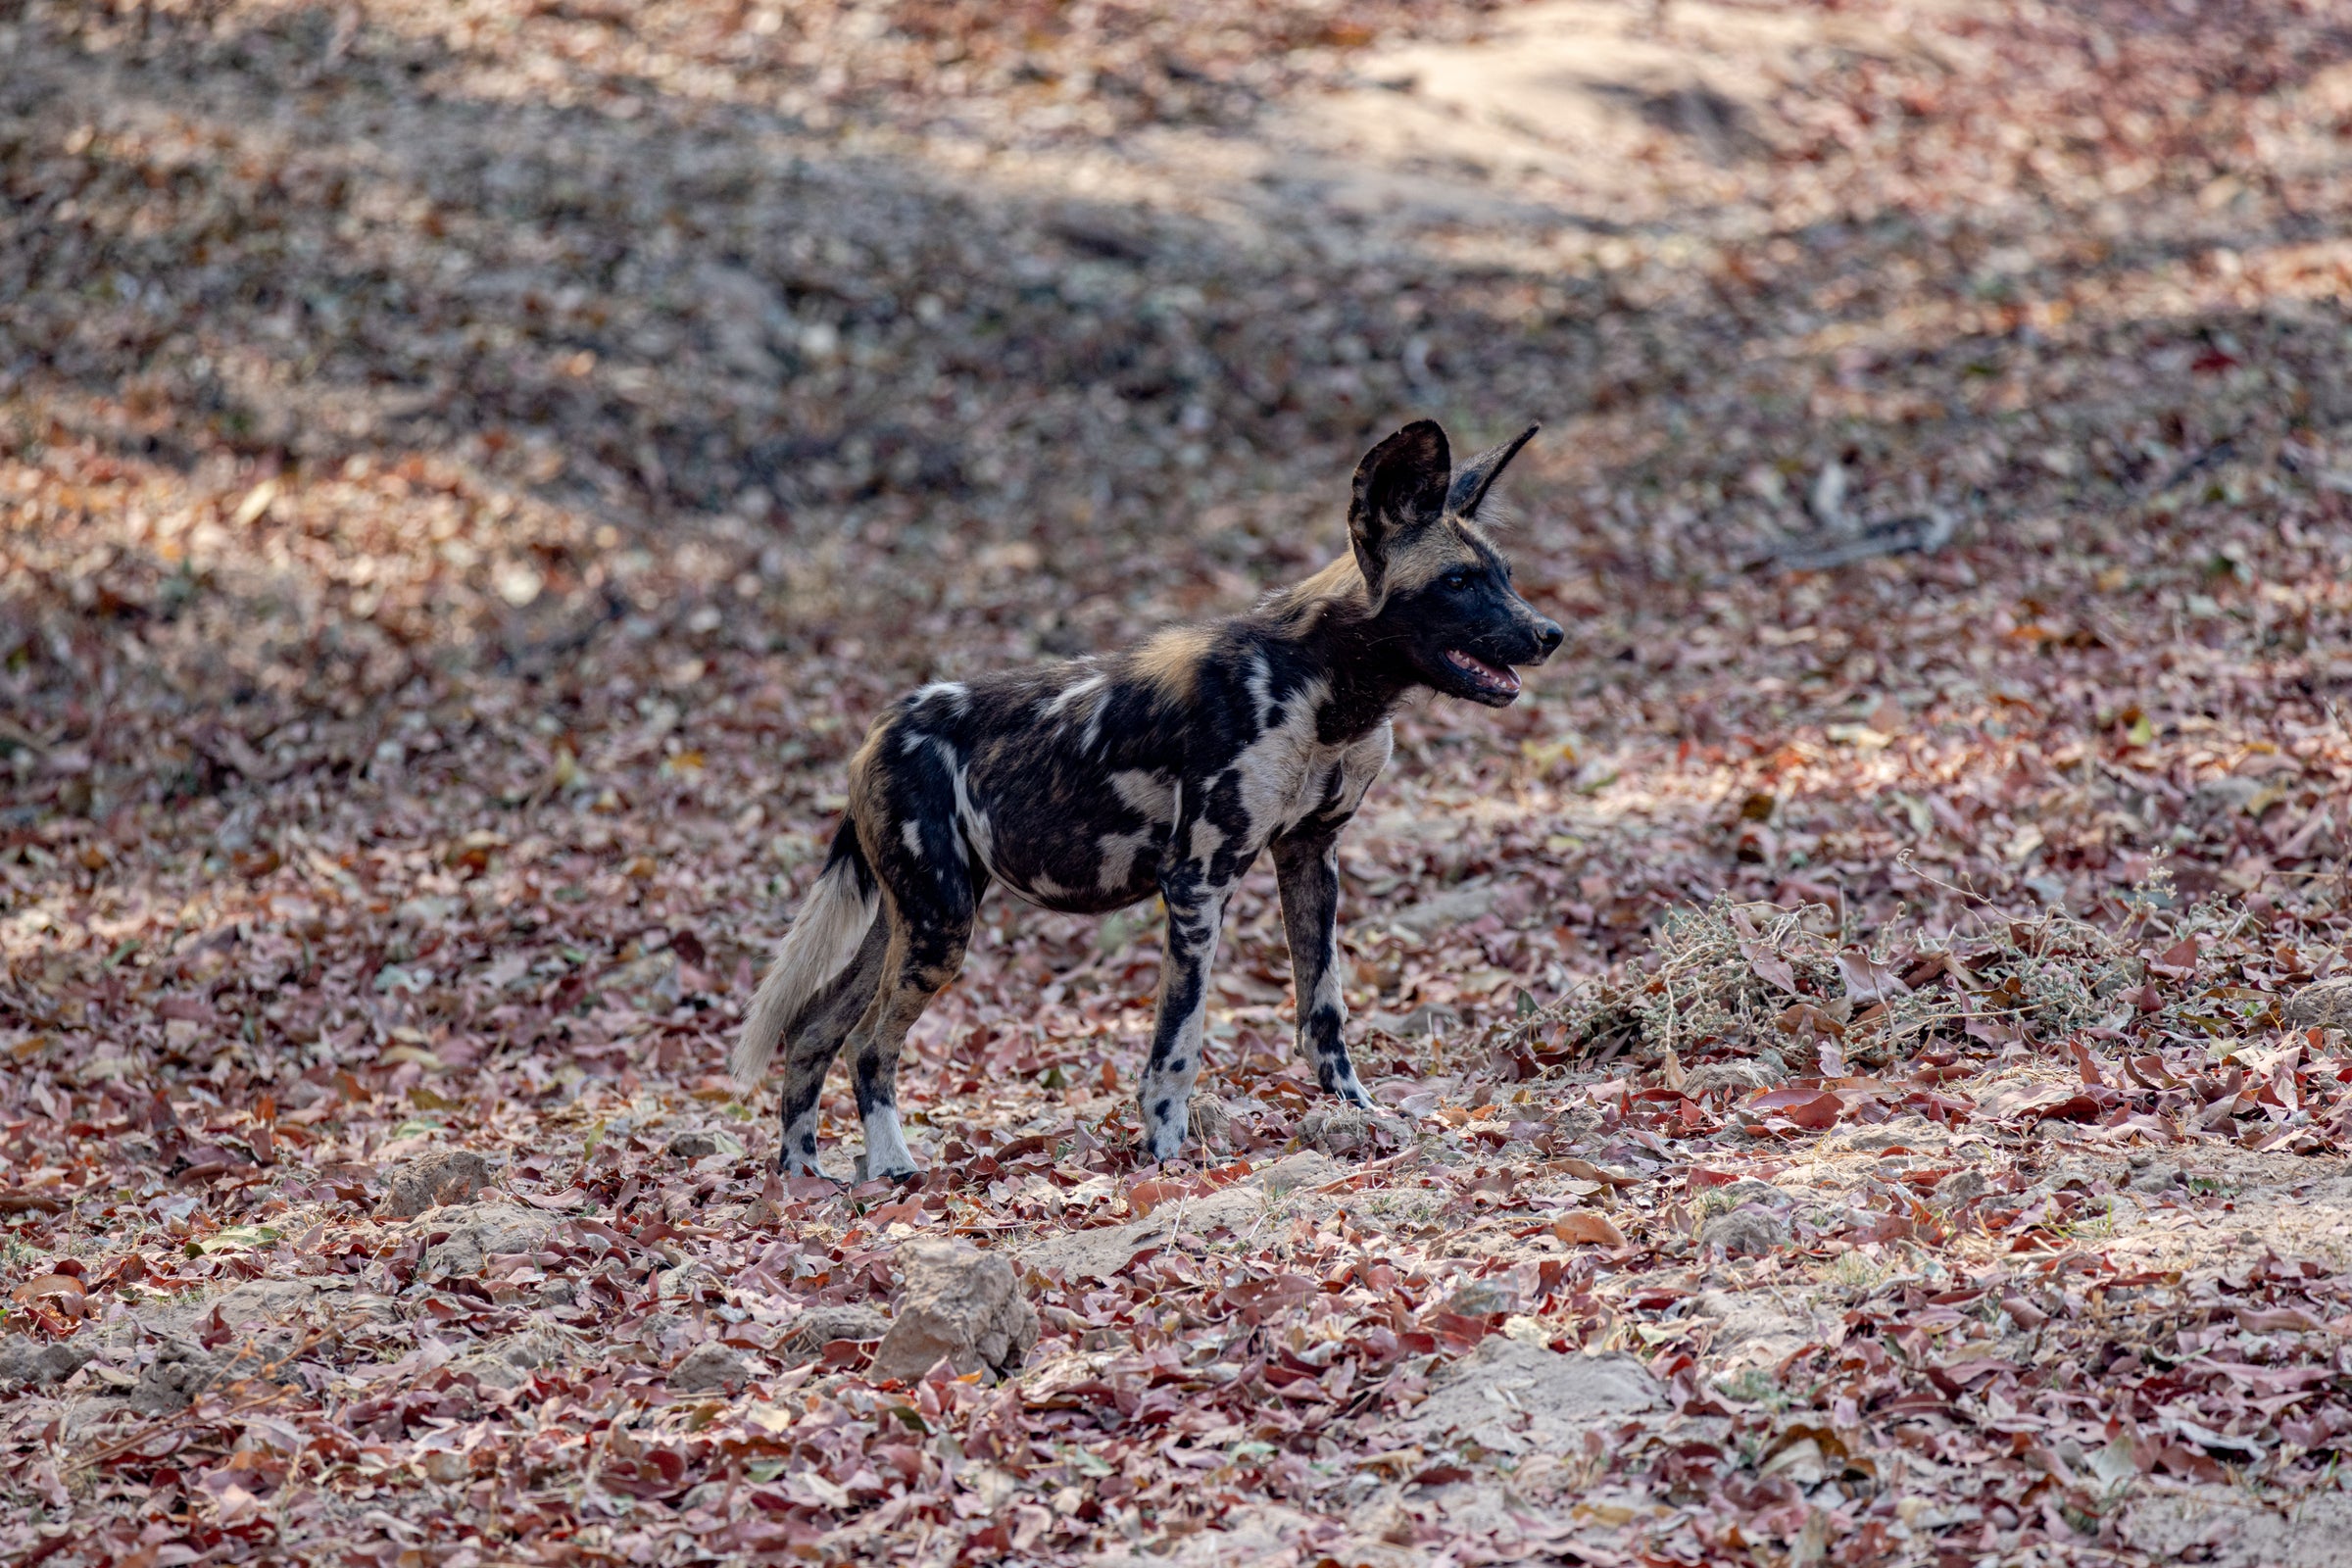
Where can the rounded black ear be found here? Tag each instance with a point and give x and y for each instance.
(1478, 475)
(1399, 486)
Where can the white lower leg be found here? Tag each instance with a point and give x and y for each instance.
(1165, 1095)
(886, 1151)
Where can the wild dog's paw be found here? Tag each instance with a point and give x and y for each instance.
(894, 1171)
(804, 1167)
(1163, 1137)
(1337, 1076)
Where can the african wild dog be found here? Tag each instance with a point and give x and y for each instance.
(1092, 785)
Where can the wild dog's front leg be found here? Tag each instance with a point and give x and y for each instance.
(1308, 869)
(1193, 920)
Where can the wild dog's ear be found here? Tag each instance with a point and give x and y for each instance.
(1478, 475)
(1399, 487)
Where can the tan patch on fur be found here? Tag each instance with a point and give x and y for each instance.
(866, 782)
(1338, 586)
(1427, 555)
(1172, 660)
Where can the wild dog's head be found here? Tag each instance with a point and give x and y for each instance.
(1439, 591)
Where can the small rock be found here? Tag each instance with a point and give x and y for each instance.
(1748, 1189)
(1575, 1125)
(537, 1347)
(1482, 1299)
(959, 1305)
(693, 1145)
(820, 1326)
(1745, 1231)
(709, 1366)
(483, 1231)
(443, 1176)
(1959, 1187)
(2327, 1005)
(690, 1279)
(490, 1371)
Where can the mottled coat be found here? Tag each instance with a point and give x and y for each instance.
(1166, 769)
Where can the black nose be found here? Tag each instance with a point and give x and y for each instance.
(1548, 637)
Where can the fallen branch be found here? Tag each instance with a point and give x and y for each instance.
(1920, 533)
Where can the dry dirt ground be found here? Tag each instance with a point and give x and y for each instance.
(1855, 1088)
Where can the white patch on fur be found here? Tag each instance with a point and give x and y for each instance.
(1119, 852)
(1329, 992)
(1260, 682)
(911, 832)
(1278, 774)
(1208, 840)
(953, 693)
(820, 946)
(1074, 694)
(1045, 887)
(1148, 795)
(886, 1151)
(968, 817)
(976, 830)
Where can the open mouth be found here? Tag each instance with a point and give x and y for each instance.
(1501, 679)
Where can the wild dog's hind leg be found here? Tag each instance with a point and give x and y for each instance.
(926, 949)
(816, 1037)
(931, 888)
(1194, 916)
(1307, 870)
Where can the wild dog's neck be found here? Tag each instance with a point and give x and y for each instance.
(1365, 677)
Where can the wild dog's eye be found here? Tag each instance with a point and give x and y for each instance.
(1457, 580)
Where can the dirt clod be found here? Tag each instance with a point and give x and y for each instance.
(1743, 1231)
(1345, 1131)
(2325, 1004)
(170, 1383)
(1212, 1123)
(709, 1366)
(1760, 1072)
(959, 1305)
(442, 1176)
(1959, 1187)
(820, 1326)
(23, 1360)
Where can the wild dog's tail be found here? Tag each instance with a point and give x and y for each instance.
(820, 946)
